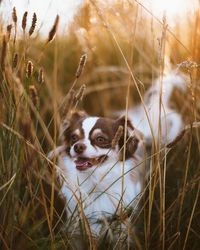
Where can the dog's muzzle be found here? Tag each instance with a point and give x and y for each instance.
(83, 163)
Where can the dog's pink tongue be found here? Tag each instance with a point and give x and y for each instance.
(82, 164)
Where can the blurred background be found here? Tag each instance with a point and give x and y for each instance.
(46, 12)
(136, 25)
(39, 62)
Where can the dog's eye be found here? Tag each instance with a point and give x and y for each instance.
(100, 139)
(74, 138)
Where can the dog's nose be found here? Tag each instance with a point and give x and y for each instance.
(79, 148)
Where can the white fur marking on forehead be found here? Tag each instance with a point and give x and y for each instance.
(97, 131)
(88, 124)
(77, 131)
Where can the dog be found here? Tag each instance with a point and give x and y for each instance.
(155, 117)
(99, 178)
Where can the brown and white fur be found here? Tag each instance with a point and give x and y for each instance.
(92, 169)
(159, 110)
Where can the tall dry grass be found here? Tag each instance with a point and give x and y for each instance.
(126, 48)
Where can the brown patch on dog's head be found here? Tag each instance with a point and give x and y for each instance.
(72, 123)
(103, 128)
(109, 127)
(101, 134)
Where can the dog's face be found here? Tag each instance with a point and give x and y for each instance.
(89, 139)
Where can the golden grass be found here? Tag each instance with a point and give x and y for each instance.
(123, 58)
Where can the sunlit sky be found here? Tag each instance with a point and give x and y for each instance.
(172, 8)
(46, 10)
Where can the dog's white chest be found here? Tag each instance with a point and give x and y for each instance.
(99, 191)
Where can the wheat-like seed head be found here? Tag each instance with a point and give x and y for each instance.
(3, 53)
(41, 76)
(81, 65)
(15, 60)
(29, 69)
(9, 28)
(33, 25)
(24, 20)
(14, 15)
(188, 65)
(53, 30)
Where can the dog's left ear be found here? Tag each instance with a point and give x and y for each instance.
(133, 136)
(72, 118)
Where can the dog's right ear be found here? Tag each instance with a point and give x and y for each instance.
(72, 118)
(75, 116)
(134, 137)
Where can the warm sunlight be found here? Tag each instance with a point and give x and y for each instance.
(99, 124)
(172, 8)
(46, 12)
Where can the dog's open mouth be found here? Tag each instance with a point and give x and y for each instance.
(83, 163)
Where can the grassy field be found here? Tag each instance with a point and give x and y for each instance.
(126, 46)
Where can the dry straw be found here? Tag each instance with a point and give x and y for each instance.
(41, 76)
(3, 53)
(33, 95)
(79, 95)
(53, 30)
(29, 69)
(69, 103)
(81, 65)
(33, 25)
(15, 60)
(117, 137)
(24, 20)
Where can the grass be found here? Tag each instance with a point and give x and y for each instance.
(124, 57)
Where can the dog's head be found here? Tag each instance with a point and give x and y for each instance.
(89, 139)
